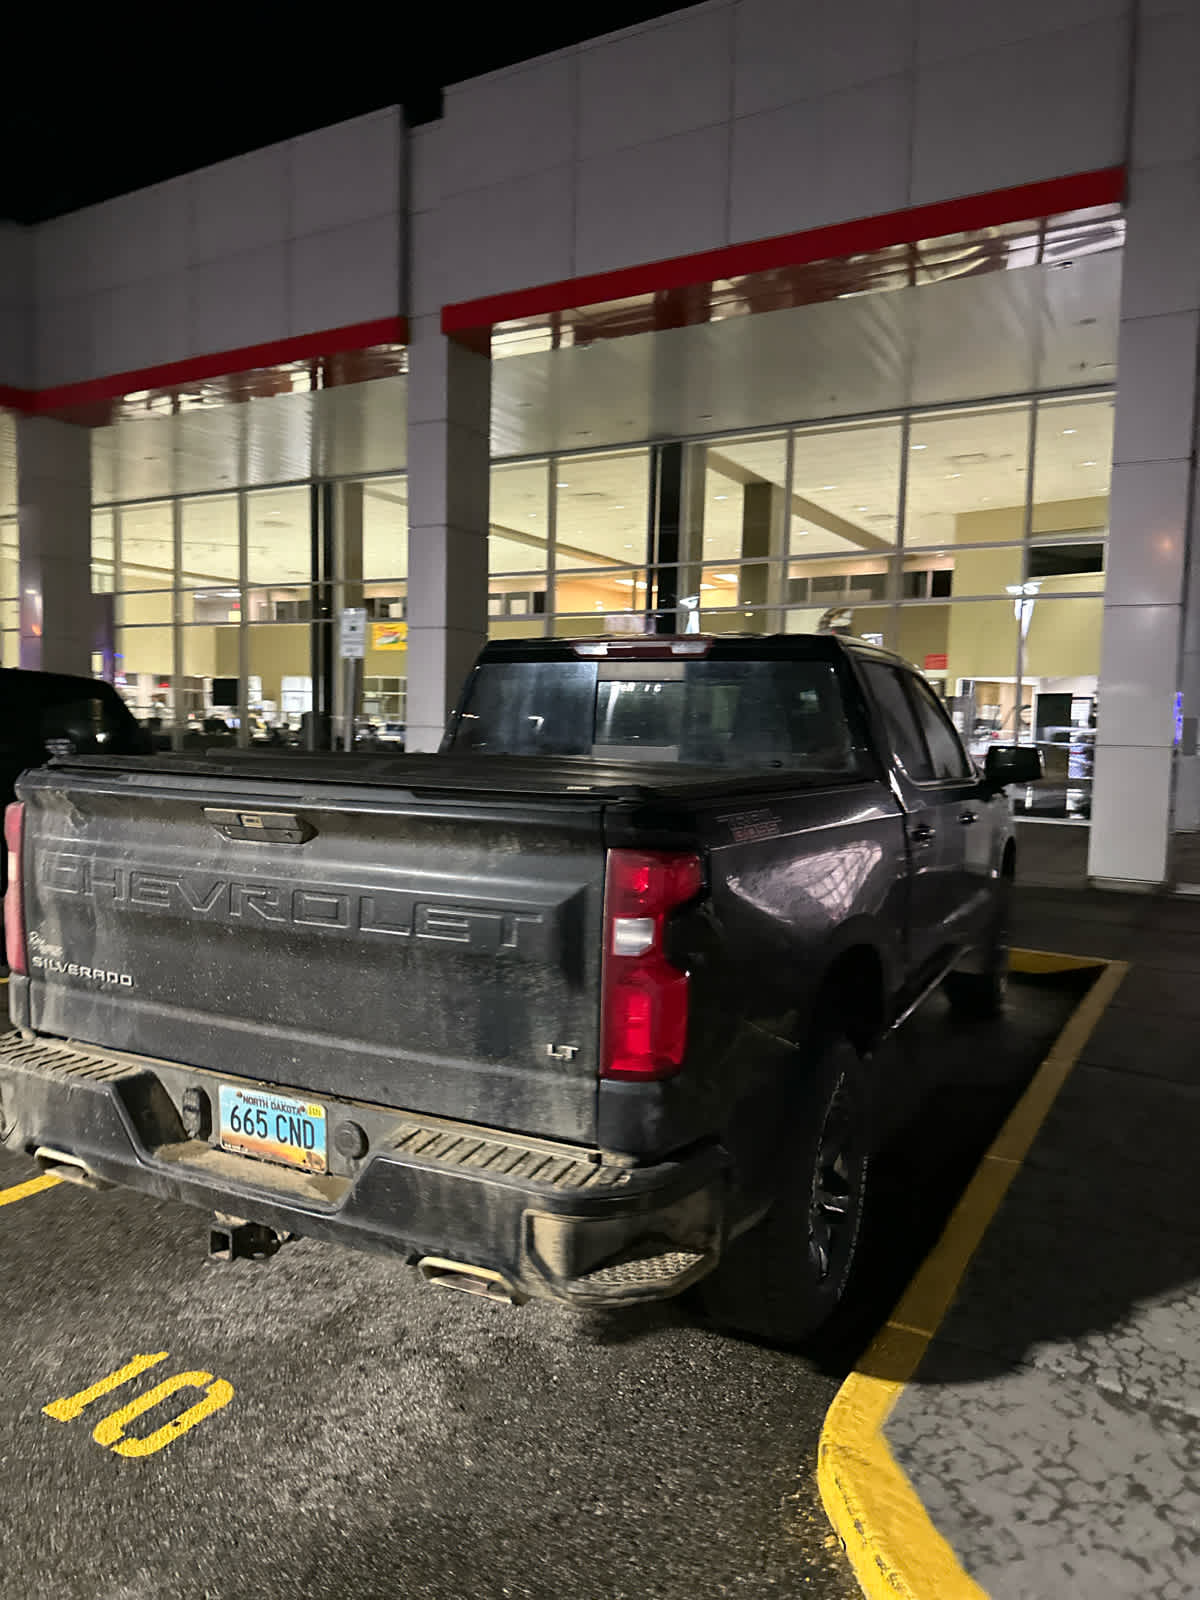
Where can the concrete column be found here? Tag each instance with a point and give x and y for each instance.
(668, 512)
(54, 506)
(691, 529)
(348, 543)
(762, 537)
(1147, 654)
(449, 420)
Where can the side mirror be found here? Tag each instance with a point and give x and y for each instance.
(1018, 763)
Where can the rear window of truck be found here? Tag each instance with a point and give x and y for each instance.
(743, 715)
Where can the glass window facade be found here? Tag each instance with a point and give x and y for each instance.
(214, 600)
(225, 539)
(969, 538)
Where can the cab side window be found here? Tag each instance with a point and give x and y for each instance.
(949, 758)
(900, 722)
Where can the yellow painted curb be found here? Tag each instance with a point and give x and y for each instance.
(893, 1546)
(1039, 961)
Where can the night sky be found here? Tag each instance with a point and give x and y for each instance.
(96, 105)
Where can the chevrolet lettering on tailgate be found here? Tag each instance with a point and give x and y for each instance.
(394, 913)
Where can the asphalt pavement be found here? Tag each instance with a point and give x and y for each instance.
(344, 1429)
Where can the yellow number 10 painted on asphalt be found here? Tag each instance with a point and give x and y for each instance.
(110, 1431)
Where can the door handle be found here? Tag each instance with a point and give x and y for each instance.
(923, 833)
(968, 817)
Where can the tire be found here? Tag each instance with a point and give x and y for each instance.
(978, 995)
(787, 1275)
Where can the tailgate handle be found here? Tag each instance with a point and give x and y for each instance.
(260, 827)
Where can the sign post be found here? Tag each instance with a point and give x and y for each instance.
(352, 648)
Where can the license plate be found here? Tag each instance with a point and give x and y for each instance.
(273, 1127)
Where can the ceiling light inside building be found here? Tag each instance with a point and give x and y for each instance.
(1087, 463)
(919, 447)
(1070, 430)
(562, 485)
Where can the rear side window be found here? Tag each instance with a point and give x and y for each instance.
(949, 758)
(82, 726)
(45, 715)
(900, 722)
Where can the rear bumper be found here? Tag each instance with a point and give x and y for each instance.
(552, 1220)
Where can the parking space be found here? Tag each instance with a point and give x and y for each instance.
(324, 1423)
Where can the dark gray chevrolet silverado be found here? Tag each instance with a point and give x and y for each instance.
(577, 1007)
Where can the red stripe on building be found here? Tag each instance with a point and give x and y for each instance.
(79, 398)
(968, 214)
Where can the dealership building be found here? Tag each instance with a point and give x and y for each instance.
(764, 316)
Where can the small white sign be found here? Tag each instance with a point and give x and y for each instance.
(353, 634)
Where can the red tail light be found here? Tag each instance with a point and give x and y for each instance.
(645, 997)
(14, 910)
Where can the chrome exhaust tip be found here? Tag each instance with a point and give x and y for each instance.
(461, 1275)
(70, 1169)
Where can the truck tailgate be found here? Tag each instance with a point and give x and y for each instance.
(441, 955)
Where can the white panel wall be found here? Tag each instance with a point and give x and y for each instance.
(16, 306)
(727, 121)
(297, 238)
(740, 119)
(1151, 643)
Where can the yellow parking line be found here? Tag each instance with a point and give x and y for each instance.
(1040, 961)
(892, 1544)
(23, 1191)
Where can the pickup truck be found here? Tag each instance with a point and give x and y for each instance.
(576, 1008)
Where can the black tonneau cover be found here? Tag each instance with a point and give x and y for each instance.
(434, 776)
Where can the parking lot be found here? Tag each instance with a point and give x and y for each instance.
(353, 1431)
